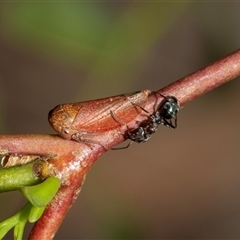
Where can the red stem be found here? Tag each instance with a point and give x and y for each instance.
(206, 79)
(72, 160)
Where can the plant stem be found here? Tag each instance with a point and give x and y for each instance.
(205, 79)
(72, 160)
(24, 175)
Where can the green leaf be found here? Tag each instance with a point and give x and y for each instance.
(40, 195)
(35, 213)
(17, 221)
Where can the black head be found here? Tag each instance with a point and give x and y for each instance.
(169, 108)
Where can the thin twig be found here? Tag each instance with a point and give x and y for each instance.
(72, 160)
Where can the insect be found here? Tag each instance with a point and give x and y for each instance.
(166, 111)
(84, 121)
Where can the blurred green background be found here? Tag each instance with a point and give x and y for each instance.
(183, 183)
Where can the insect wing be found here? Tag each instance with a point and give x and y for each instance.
(95, 116)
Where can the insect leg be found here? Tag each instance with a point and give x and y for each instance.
(79, 138)
(122, 123)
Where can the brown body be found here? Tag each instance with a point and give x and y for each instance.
(82, 121)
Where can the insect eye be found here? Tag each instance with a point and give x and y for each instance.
(65, 131)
